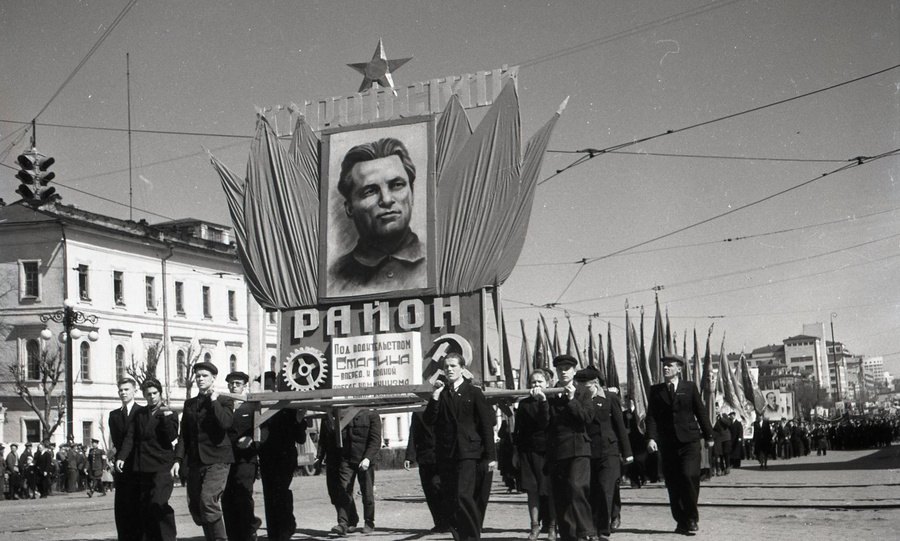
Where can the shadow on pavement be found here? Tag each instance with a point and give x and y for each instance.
(885, 458)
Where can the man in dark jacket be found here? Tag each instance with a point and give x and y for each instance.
(43, 463)
(238, 506)
(463, 424)
(148, 445)
(127, 483)
(566, 416)
(420, 451)
(95, 465)
(12, 469)
(279, 437)
(355, 457)
(609, 448)
(204, 447)
(676, 419)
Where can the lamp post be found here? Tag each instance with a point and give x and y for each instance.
(69, 317)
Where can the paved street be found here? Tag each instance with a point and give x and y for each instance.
(846, 495)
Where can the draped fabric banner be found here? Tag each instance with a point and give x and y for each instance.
(485, 192)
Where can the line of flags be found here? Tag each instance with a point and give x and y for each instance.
(723, 387)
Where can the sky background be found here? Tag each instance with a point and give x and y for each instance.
(632, 70)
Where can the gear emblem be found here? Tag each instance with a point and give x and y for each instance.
(305, 369)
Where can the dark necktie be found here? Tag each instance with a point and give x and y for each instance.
(671, 390)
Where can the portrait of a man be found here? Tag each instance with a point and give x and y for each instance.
(374, 244)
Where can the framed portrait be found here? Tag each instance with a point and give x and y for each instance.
(376, 231)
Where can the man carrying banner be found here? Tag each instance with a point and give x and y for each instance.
(673, 413)
(464, 436)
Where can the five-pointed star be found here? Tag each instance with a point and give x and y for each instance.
(379, 69)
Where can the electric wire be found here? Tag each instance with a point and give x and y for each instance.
(133, 130)
(90, 53)
(707, 156)
(591, 153)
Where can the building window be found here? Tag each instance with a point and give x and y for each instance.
(84, 292)
(119, 288)
(179, 298)
(31, 280)
(207, 311)
(120, 362)
(87, 432)
(272, 318)
(180, 368)
(32, 430)
(85, 361)
(272, 362)
(150, 286)
(32, 360)
(232, 361)
(232, 306)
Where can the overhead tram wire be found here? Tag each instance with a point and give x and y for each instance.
(125, 130)
(856, 162)
(727, 240)
(591, 153)
(706, 156)
(626, 33)
(90, 53)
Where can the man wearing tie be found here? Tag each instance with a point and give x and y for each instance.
(676, 418)
(128, 489)
(238, 506)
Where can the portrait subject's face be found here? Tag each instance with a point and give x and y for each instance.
(380, 202)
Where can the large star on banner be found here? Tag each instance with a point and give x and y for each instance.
(379, 69)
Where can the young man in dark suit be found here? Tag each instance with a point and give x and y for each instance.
(463, 425)
(238, 506)
(354, 459)
(566, 416)
(12, 468)
(148, 445)
(127, 484)
(205, 449)
(676, 422)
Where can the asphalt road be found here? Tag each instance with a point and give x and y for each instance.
(847, 495)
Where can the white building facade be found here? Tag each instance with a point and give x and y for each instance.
(174, 292)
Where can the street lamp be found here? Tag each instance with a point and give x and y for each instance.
(69, 317)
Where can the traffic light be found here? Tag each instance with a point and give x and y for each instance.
(34, 174)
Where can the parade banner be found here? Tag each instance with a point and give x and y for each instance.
(377, 361)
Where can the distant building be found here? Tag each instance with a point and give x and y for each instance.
(771, 354)
(873, 370)
(805, 354)
(173, 290)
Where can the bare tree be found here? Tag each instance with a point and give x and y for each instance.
(49, 407)
(141, 372)
(191, 356)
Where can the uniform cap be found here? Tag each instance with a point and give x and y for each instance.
(565, 360)
(237, 375)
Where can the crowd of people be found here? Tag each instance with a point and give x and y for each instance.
(40, 469)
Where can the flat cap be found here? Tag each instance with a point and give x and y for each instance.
(209, 367)
(670, 358)
(237, 375)
(587, 374)
(565, 360)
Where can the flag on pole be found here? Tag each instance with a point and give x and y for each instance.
(669, 346)
(708, 381)
(572, 345)
(548, 342)
(657, 345)
(601, 362)
(634, 380)
(556, 341)
(525, 360)
(751, 387)
(612, 373)
(696, 360)
(509, 380)
(732, 397)
(541, 354)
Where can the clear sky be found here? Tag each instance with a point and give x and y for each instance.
(634, 69)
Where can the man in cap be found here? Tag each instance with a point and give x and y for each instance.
(43, 463)
(205, 449)
(94, 465)
(463, 425)
(237, 503)
(12, 468)
(676, 419)
(148, 447)
(609, 448)
(127, 487)
(565, 416)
